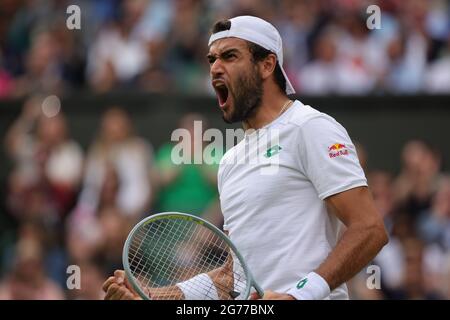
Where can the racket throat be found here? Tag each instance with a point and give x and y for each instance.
(234, 294)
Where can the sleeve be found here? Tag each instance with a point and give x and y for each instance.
(328, 157)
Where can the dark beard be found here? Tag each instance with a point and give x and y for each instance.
(247, 95)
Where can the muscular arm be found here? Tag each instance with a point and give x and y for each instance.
(362, 240)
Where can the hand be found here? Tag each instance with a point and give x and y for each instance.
(118, 288)
(271, 295)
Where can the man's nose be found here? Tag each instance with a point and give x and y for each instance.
(216, 69)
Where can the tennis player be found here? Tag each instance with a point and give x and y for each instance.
(310, 227)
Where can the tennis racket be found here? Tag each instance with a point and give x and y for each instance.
(166, 249)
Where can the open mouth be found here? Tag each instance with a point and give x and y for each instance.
(222, 93)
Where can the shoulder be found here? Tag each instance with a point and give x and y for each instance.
(228, 158)
(229, 154)
(308, 118)
(307, 123)
(316, 131)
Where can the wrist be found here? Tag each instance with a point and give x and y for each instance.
(310, 287)
(200, 287)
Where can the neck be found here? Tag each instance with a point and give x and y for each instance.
(270, 108)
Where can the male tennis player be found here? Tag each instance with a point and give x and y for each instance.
(310, 227)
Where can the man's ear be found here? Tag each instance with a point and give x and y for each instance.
(267, 66)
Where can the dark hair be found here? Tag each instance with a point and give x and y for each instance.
(258, 53)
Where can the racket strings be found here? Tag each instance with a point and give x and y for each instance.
(201, 267)
(141, 271)
(142, 239)
(168, 251)
(159, 260)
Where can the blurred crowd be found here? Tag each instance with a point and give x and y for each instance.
(75, 207)
(71, 206)
(160, 45)
(415, 204)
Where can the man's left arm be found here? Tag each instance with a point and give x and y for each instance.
(363, 238)
(340, 182)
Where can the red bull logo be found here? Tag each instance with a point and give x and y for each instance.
(337, 149)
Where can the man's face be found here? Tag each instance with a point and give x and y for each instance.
(235, 78)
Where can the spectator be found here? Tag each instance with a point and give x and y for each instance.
(417, 180)
(187, 187)
(43, 69)
(89, 235)
(27, 279)
(406, 61)
(434, 223)
(381, 186)
(158, 45)
(437, 77)
(115, 228)
(414, 282)
(46, 159)
(90, 283)
(130, 156)
(186, 47)
(119, 55)
(359, 55)
(319, 75)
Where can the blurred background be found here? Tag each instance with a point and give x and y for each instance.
(86, 118)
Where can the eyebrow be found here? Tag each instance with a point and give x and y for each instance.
(210, 56)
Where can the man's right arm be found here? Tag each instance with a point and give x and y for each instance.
(118, 288)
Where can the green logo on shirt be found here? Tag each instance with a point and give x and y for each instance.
(302, 283)
(272, 151)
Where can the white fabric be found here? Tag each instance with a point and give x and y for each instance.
(311, 287)
(279, 221)
(65, 164)
(260, 32)
(127, 55)
(200, 287)
(131, 160)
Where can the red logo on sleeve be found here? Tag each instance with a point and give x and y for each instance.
(337, 149)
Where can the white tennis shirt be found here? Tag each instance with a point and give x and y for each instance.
(277, 218)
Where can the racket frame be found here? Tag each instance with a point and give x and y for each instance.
(178, 215)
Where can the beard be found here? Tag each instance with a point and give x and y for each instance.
(247, 92)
